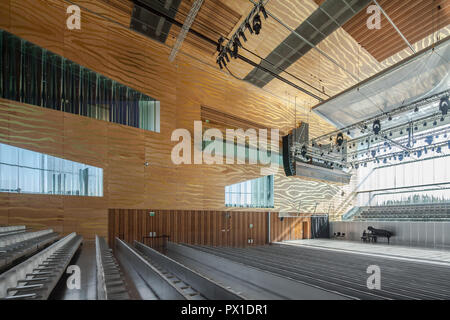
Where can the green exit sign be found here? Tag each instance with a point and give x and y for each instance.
(152, 214)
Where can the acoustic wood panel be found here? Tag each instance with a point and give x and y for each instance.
(182, 87)
(210, 228)
(416, 19)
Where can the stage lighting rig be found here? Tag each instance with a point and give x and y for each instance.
(252, 23)
(443, 105)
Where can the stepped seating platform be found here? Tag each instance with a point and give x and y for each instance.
(418, 212)
(20, 245)
(36, 277)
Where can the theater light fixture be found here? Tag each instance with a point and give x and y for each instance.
(257, 24)
(232, 47)
(443, 105)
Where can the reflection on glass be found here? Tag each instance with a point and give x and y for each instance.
(39, 77)
(25, 171)
(256, 193)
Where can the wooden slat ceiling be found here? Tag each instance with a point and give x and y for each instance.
(416, 19)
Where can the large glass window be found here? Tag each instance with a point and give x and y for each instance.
(36, 76)
(25, 171)
(411, 182)
(256, 193)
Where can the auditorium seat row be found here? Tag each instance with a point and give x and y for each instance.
(419, 212)
(36, 277)
(20, 245)
(5, 231)
(110, 282)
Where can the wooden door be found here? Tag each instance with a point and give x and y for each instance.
(305, 230)
(297, 229)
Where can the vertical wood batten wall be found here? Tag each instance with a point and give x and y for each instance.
(212, 228)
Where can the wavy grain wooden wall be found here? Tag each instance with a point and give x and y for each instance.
(212, 228)
(140, 63)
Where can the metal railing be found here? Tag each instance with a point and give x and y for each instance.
(110, 282)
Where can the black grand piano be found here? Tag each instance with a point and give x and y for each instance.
(375, 233)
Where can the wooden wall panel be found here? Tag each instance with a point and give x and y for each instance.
(182, 87)
(200, 227)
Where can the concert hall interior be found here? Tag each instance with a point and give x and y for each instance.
(224, 150)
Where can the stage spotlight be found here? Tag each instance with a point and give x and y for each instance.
(242, 35)
(248, 26)
(438, 149)
(442, 119)
(235, 50)
(303, 153)
(390, 118)
(331, 138)
(219, 44)
(238, 42)
(264, 12)
(390, 134)
(415, 128)
(424, 124)
(348, 132)
(340, 139)
(443, 105)
(416, 109)
(365, 126)
(435, 123)
(257, 24)
(376, 126)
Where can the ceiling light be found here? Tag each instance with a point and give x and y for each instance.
(257, 24)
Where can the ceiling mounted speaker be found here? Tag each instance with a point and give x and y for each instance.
(376, 126)
(443, 105)
(340, 139)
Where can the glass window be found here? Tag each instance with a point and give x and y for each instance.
(42, 78)
(256, 193)
(25, 171)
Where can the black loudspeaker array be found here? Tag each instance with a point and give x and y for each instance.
(288, 161)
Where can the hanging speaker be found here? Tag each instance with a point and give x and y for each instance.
(443, 105)
(376, 126)
(288, 162)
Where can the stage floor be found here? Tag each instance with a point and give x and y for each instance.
(432, 256)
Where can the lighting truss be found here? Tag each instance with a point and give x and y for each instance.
(185, 28)
(252, 23)
(330, 151)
